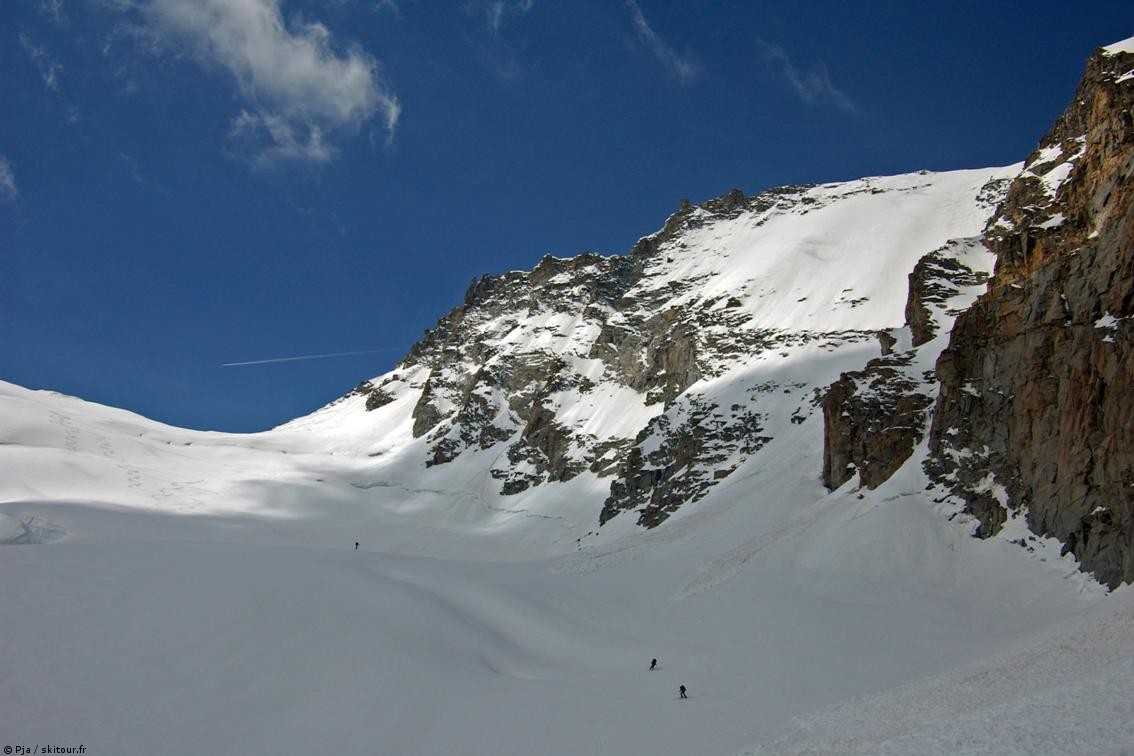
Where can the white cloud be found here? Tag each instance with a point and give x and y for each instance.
(813, 87)
(274, 139)
(48, 67)
(8, 190)
(496, 10)
(298, 85)
(683, 66)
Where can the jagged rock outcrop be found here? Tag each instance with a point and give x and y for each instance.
(678, 457)
(941, 284)
(873, 418)
(1036, 403)
(376, 396)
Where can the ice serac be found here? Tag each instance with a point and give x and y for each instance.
(1036, 406)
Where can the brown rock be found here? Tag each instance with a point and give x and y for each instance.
(1037, 384)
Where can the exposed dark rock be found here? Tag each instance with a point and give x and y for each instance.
(378, 398)
(936, 279)
(425, 414)
(546, 445)
(607, 456)
(887, 342)
(689, 445)
(873, 419)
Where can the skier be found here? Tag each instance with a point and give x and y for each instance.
(356, 545)
(682, 690)
(653, 664)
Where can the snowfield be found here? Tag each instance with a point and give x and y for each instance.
(182, 592)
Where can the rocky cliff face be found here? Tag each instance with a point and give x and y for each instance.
(1035, 413)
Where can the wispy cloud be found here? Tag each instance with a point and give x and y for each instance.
(131, 164)
(373, 6)
(300, 87)
(48, 67)
(683, 66)
(390, 6)
(8, 190)
(496, 11)
(53, 9)
(501, 50)
(813, 87)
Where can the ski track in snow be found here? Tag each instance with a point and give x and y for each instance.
(729, 564)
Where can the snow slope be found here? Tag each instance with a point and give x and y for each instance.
(172, 591)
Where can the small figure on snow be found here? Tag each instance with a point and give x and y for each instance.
(356, 545)
(653, 664)
(682, 691)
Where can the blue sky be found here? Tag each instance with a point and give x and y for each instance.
(190, 183)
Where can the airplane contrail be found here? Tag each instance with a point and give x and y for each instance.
(308, 357)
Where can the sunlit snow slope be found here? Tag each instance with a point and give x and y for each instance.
(172, 591)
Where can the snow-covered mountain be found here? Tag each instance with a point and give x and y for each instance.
(653, 376)
(756, 447)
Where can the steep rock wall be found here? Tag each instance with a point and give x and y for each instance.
(1036, 403)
